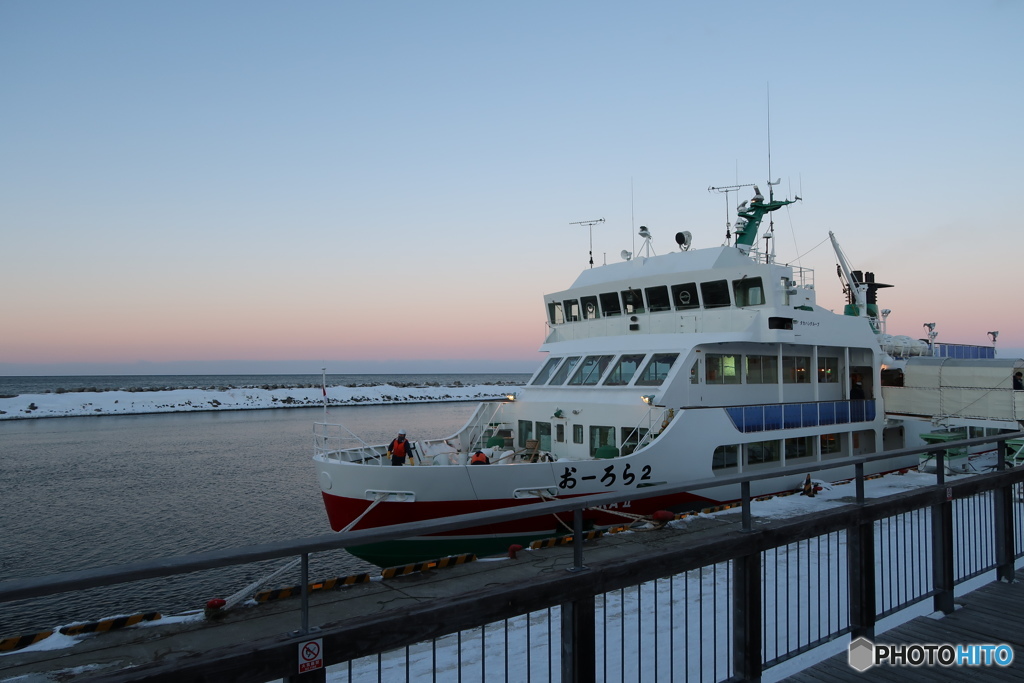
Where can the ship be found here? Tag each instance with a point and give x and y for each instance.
(693, 365)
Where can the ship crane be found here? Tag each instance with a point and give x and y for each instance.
(858, 290)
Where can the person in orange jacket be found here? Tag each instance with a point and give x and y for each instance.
(399, 448)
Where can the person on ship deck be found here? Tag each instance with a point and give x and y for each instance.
(399, 449)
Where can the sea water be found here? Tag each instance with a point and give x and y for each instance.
(85, 492)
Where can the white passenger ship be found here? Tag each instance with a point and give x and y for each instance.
(662, 370)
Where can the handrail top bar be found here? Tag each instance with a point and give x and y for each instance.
(19, 589)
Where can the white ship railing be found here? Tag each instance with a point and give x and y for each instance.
(336, 442)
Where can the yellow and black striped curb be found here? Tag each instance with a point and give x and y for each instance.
(18, 642)
(105, 625)
(450, 561)
(562, 540)
(329, 584)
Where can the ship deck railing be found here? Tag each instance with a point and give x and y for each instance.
(775, 416)
(335, 442)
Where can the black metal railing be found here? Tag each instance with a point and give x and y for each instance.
(720, 606)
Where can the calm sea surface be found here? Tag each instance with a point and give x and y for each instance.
(82, 492)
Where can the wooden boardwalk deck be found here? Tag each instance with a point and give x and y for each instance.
(992, 614)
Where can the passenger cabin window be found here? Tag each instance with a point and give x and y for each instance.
(610, 304)
(762, 369)
(545, 372)
(601, 436)
(796, 370)
(544, 435)
(590, 370)
(571, 310)
(762, 453)
(828, 370)
(632, 301)
(685, 296)
(555, 313)
(577, 433)
(725, 457)
(624, 370)
(748, 291)
(590, 307)
(631, 438)
(564, 371)
(657, 299)
(715, 294)
(722, 368)
(657, 369)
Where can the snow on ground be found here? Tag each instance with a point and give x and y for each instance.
(71, 404)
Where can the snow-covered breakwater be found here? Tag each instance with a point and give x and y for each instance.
(76, 404)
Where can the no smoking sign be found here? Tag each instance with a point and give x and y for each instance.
(311, 655)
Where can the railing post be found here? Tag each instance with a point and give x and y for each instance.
(942, 552)
(579, 650)
(577, 541)
(745, 511)
(860, 565)
(859, 483)
(746, 617)
(1002, 500)
(305, 593)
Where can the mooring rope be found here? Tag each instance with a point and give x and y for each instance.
(255, 585)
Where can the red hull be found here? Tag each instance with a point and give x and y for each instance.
(341, 512)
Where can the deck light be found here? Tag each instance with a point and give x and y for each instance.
(649, 400)
(510, 397)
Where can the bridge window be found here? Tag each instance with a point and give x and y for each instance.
(632, 301)
(590, 311)
(590, 370)
(796, 370)
(828, 370)
(545, 372)
(564, 371)
(555, 313)
(571, 310)
(610, 304)
(657, 369)
(624, 370)
(762, 369)
(685, 296)
(748, 291)
(657, 299)
(722, 369)
(715, 294)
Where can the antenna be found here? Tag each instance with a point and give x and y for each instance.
(590, 225)
(726, 189)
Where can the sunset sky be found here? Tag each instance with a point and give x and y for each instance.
(390, 186)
